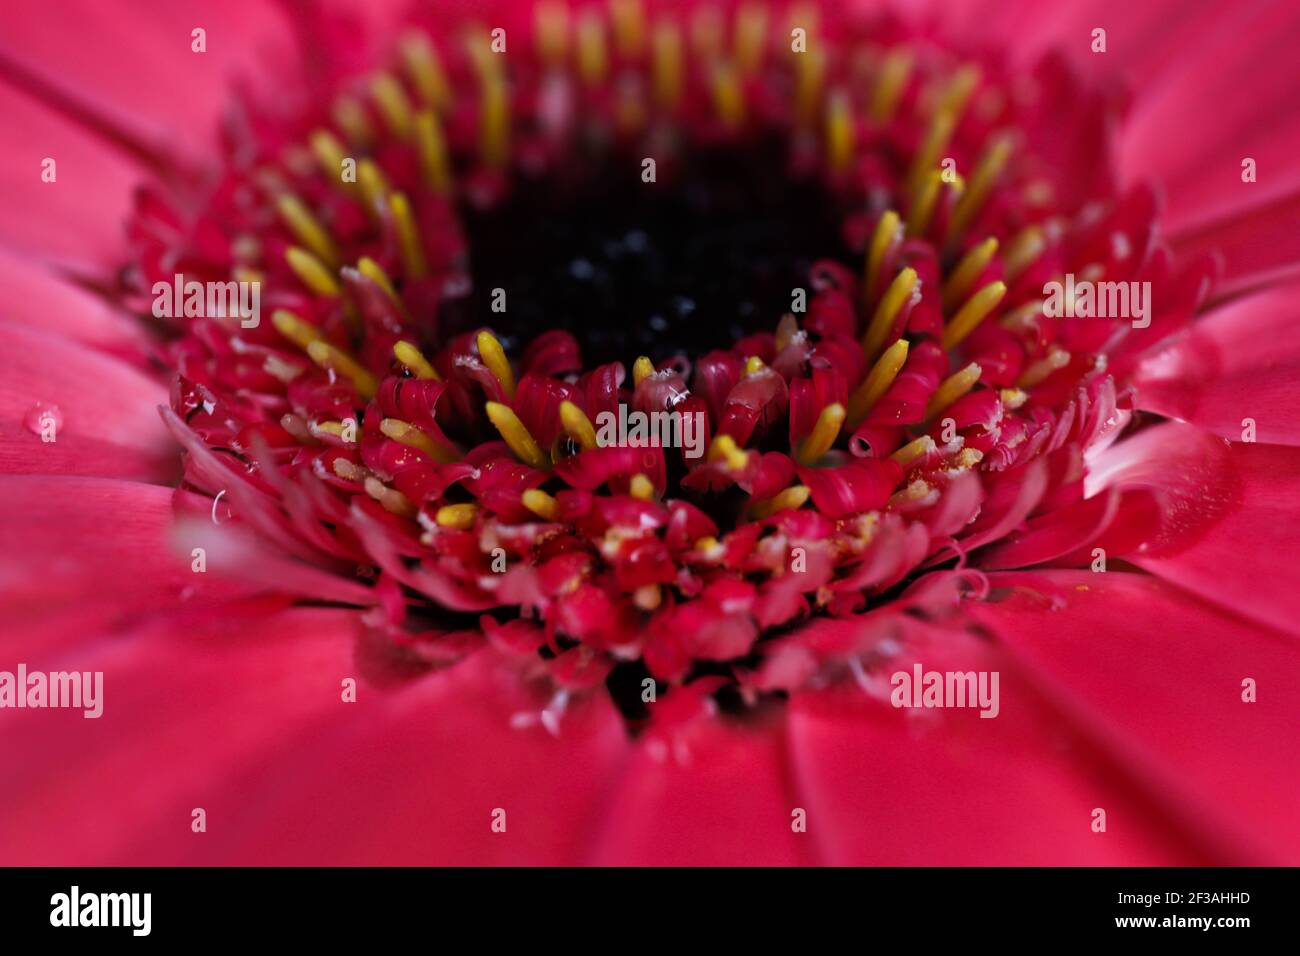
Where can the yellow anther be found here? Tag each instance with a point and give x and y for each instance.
(339, 431)
(293, 328)
(1023, 317)
(750, 36)
(957, 94)
(311, 271)
(329, 152)
(459, 517)
(887, 234)
(894, 72)
(970, 268)
(913, 450)
(707, 543)
(552, 31)
(1012, 398)
(593, 54)
(810, 72)
(393, 103)
(877, 382)
(668, 63)
(373, 186)
(425, 69)
(494, 357)
(310, 233)
(841, 137)
(577, 426)
(408, 434)
(786, 330)
(648, 597)
(1055, 360)
(414, 359)
(952, 388)
(392, 499)
(971, 314)
(900, 291)
(728, 99)
(915, 493)
(373, 271)
(494, 131)
(986, 174)
(628, 20)
(408, 236)
(331, 357)
(541, 504)
(1021, 252)
(724, 448)
(822, 437)
(927, 156)
(350, 116)
(792, 499)
(921, 211)
(754, 364)
(642, 369)
(516, 435)
(434, 162)
(641, 487)
(348, 471)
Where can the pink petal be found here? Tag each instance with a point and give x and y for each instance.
(106, 423)
(1211, 516)
(1162, 671)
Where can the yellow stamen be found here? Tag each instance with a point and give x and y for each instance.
(786, 330)
(1012, 398)
(348, 471)
(577, 426)
(392, 499)
(891, 303)
(337, 429)
(330, 154)
(886, 235)
(642, 369)
(1021, 252)
(913, 450)
(413, 358)
(750, 37)
(792, 499)
(986, 174)
(725, 447)
(927, 156)
(1055, 360)
(351, 117)
(552, 31)
(728, 99)
(374, 188)
(970, 268)
(971, 314)
(1023, 317)
(541, 504)
(293, 328)
(494, 357)
(458, 517)
(425, 70)
(593, 55)
(707, 543)
(334, 358)
(648, 597)
(668, 68)
(754, 364)
(952, 388)
(307, 228)
(434, 163)
(516, 435)
(877, 382)
(894, 72)
(840, 134)
(393, 104)
(822, 437)
(922, 208)
(957, 94)
(408, 434)
(408, 237)
(810, 72)
(628, 19)
(494, 133)
(641, 487)
(916, 492)
(311, 271)
(373, 271)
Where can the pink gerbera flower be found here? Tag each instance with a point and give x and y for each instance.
(369, 582)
